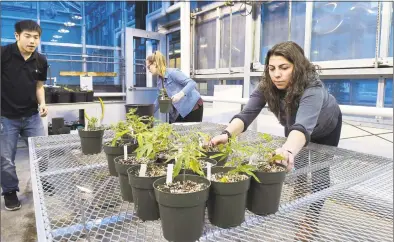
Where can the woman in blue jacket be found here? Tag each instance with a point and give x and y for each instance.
(186, 100)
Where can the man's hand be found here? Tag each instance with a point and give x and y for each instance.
(43, 109)
(177, 97)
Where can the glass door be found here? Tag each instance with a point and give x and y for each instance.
(141, 86)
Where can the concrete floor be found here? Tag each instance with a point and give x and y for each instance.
(19, 226)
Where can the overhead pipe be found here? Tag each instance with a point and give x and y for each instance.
(162, 13)
(209, 8)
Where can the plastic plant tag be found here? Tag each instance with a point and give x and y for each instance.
(86, 126)
(125, 152)
(142, 170)
(84, 189)
(209, 166)
(36, 160)
(170, 169)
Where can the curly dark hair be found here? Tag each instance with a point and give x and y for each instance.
(304, 75)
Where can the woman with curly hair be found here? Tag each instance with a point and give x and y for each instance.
(295, 94)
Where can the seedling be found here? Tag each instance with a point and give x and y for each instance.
(93, 122)
(188, 154)
(240, 152)
(265, 158)
(133, 125)
(153, 141)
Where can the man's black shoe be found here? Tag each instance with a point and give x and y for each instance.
(11, 201)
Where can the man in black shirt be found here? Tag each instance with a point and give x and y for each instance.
(23, 73)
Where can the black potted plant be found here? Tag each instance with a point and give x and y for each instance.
(220, 153)
(141, 180)
(61, 95)
(89, 96)
(164, 101)
(228, 192)
(77, 95)
(92, 135)
(264, 196)
(115, 147)
(125, 134)
(48, 94)
(150, 142)
(182, 201)
(122, 164)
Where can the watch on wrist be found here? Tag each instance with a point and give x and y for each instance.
(228, 134)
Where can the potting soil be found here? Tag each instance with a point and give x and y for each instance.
(181, 187)
(133, 160)
(230, 177)
(153, 171)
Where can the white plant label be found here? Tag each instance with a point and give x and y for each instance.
(84, 189)
(125, 152)
(170, 169)
(36, 160)
(209, 167)
(143, 170)
(86, 126)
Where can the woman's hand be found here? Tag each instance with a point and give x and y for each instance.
(177, 97)
(288, 158)
(219, 139)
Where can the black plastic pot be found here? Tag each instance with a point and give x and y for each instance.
(89, 96)
(64, 130)
(264, 197)
(165, 105)
(61, 97)
(145, 204)
(114, 151)
(227, 201)
(91, 141)
(48, 97)
(57, 123)
(125, 188)
(77, 97)
(182, 215)
(142, 109)
(220, 160)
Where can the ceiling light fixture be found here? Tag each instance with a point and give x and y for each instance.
(63, 31)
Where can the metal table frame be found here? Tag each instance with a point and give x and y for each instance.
(357, 200)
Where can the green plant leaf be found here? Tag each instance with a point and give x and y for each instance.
(224, 179)
(177, 168)
(277, 157)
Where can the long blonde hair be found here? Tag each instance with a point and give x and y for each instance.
(158, 58)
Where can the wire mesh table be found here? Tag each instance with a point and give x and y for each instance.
(334, 194)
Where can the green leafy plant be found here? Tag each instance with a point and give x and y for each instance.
(153, 141)
(138, 124)
(93, 121)
(187, 154)
(121, 130)
(241, 168)
(203, 140)
(266, 157)
(130, 128)
(163, 94)
(240, 151)
(68, 89)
